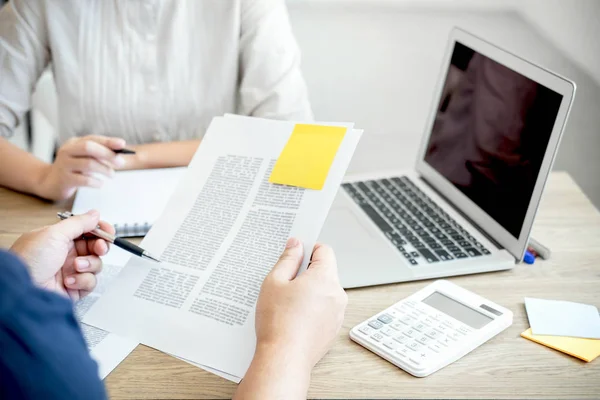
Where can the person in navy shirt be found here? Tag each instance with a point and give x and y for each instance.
(43, 354)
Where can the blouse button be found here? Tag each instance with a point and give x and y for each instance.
(157, 136)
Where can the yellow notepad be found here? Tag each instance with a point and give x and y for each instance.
(307, 157)
(585, 349)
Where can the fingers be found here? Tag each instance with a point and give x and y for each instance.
(289, 263)
(85, 264)
(77, 225)
(98, 246)
(86, 282)
(98, 147)
(113, 143)
(78, 180)
(90, 166)
(106, 227)
(323, 257)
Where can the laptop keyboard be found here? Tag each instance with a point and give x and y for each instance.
(415, 224)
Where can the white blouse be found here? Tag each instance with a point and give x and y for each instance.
(150, 70)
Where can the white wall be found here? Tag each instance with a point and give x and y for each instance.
(572, 26)
(377, 66)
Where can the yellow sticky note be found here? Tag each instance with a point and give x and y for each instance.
(585, 349)
(307, 157)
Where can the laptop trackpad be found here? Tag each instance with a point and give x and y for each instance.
(363, 254)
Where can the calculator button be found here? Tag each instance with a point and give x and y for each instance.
(423, 339)
(397, 325)
(442, 328)
(445, 341)
(432, 333)
(378, 337)
(387, 331)
(402, 308)
(464, 329)
(390, 344)
(436, 347)
(437, 316)
(385, 318)
(375, 324)
(366, 329)
(407, 320)
(414, 361)
(404, 352)
(414, 345)
(415, 314)
(410, 332)
(420, 327)
(428, 321)
(424, 354)
(449, 323)
(393, 312)
(455, 335)
(401, 339)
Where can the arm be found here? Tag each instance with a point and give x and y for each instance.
(24, 54)
(44, 355)
(271, 83)
(162, 155)
(19, 170)
(275, 374)
(297, 320)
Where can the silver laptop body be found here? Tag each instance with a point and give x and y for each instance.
(469, 204)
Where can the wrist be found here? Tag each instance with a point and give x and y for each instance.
(289, 356)
(38, 185)
(139, 160)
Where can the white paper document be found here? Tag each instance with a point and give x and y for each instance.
(219, 236)
(562, 318)
(132, 200)
(106, 348)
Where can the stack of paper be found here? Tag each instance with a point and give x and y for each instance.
(252, 184)
(572, 328)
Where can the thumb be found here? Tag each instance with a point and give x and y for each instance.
(289, 263)
(75, 226)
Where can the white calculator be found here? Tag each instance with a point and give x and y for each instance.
(432, 328)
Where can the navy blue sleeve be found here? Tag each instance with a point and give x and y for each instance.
(42, 352)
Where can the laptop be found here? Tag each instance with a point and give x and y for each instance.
(468, 206)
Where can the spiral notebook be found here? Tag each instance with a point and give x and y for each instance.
(132, 200)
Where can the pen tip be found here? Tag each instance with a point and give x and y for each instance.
(152, 258)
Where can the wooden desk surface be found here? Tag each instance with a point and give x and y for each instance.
(508, 366)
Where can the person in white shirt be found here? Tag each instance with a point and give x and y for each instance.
(149, 74)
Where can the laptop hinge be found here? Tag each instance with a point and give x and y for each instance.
(473, 223)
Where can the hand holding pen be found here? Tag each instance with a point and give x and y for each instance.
(110, 238)
(62, 258)
(78, 163)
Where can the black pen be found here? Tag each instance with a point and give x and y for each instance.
(123, 151)
(122, 243)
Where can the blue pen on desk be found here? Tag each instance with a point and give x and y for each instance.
(528, 258)
(122, 243)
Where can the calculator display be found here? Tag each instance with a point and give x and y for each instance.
(457, 310)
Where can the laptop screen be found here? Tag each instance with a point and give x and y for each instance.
(490, 134)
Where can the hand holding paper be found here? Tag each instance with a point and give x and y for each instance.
(314, 301)
(223, 230)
